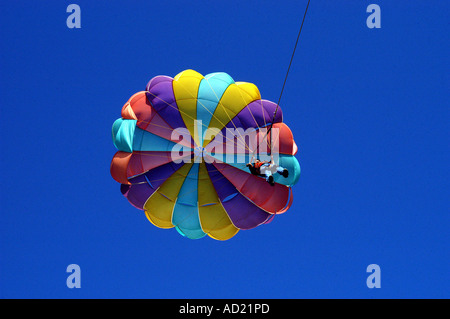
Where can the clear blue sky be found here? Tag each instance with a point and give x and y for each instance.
(369, 109)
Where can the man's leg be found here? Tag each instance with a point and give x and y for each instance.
(282, 171)
(268, 173)
(269, 177)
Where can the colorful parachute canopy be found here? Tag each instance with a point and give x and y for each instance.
(198, 181)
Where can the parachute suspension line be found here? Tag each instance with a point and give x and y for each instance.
(287, 73)
(289, 67)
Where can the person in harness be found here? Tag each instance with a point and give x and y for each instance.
(266, 169)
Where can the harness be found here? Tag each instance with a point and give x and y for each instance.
(258, 168)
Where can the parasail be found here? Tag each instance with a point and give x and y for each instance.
(183, 146)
